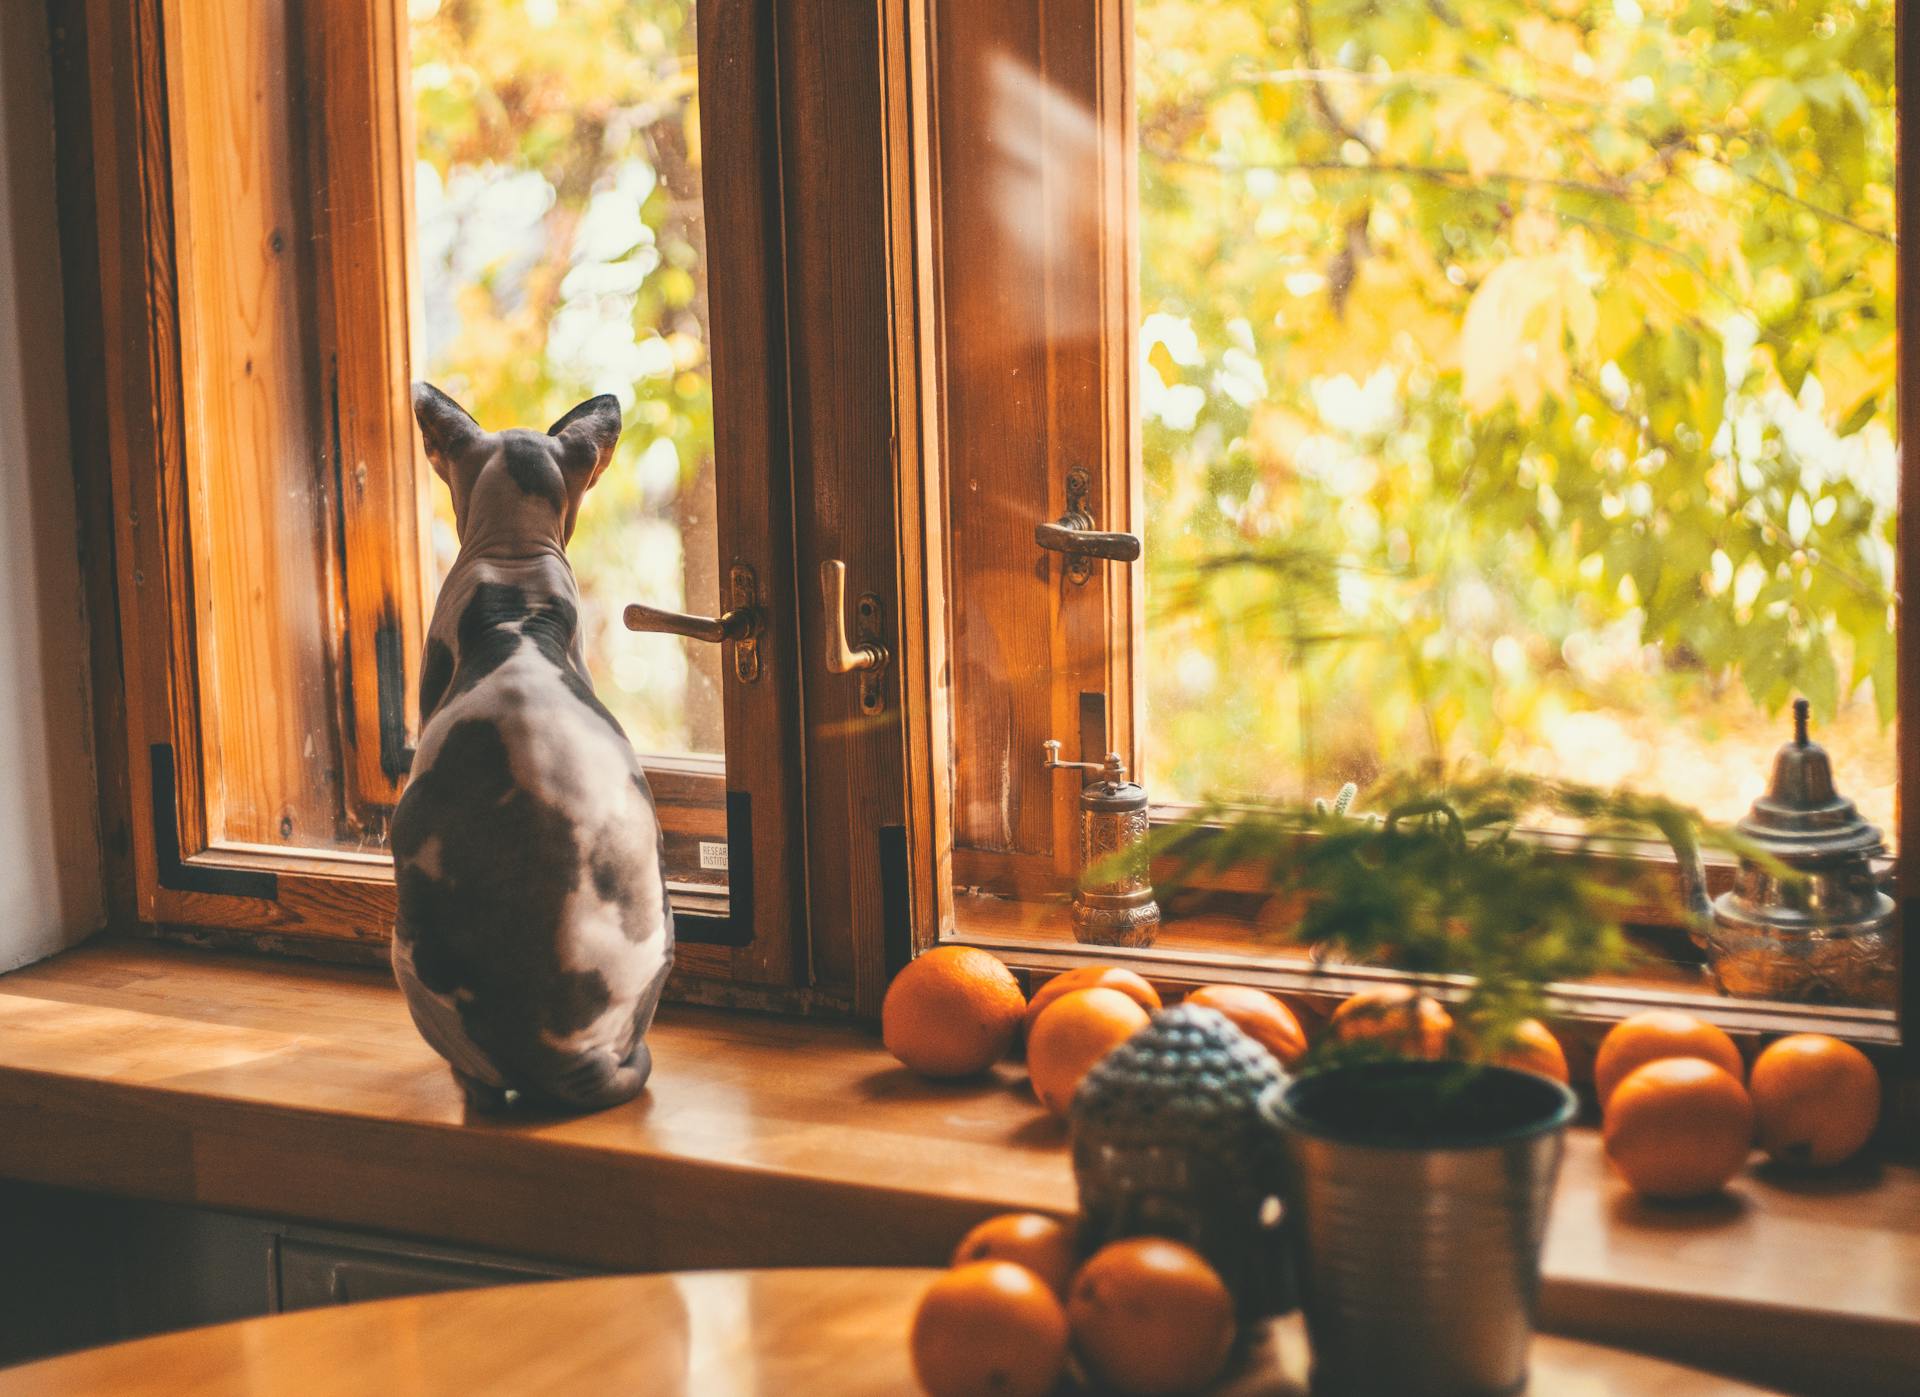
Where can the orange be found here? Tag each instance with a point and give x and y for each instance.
(1150, 1316)
(1088, 977)
(1678, 1127)
(1817, 1099)
(1259, 1015)
(1533, 1048)
(1406, 1021)
(1078, 1029)
(989, 1329)
(952, 1012)
(1043, 1245)
(1656, 1034)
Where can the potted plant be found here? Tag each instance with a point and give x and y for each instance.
(1417, 1191)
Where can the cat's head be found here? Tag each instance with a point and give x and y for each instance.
(516, 491)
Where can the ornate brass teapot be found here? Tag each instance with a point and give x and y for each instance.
(1825, 933)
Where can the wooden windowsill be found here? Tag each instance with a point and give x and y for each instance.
(303, 1092)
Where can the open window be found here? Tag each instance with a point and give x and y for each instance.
(1517, 385)
(302, 208)
(1514, 384)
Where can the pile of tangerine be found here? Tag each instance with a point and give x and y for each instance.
(1680, 1112)
(1143, 1315)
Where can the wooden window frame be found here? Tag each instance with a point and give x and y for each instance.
(936, 506)
(792, 93)
(861, 873)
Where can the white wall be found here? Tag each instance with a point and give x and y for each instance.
(51, 891)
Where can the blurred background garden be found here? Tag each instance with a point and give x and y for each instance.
(1517, 378)
(1518, 385)
(562, 253)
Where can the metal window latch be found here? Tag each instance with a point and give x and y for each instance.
(865, 654)
(1074, 535)
(741, 623)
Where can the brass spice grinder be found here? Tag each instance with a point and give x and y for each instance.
(1113, 901)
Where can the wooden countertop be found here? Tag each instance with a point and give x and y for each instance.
(751, 1333)
(303, 1091)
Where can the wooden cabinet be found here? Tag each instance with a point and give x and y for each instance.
(80, 1269)
(311, 1268)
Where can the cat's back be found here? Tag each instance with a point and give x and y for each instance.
(527, 852)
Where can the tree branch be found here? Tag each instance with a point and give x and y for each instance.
(1466, 182)
(1454, 176)
(1316, 78)
(1321, 101)
(1818, 210)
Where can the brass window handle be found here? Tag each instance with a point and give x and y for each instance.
(740, 623)
(843, 656)
(1074, 535)
(864, 653)
(1114, 768)
(1084, 541)
(732, 625)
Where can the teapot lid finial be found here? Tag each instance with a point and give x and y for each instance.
(1802, 814)
(1802, 774)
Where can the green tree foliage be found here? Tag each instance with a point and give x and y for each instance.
(562, 251)
(1510, 361)
(1504, 364)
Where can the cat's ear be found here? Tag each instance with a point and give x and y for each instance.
(587, 436)
(448, 429)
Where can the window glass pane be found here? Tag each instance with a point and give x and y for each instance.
(1517, 385)
(562, 254)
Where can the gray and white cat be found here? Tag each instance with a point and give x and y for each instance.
(534, 935)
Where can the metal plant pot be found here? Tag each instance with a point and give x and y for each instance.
(1417, 1197)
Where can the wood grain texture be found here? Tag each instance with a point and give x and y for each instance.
(1032, 113)
(304, 1092)
(760, 1142)
(134, 357)
(258, 513)
(919, 475)
(753, 465)
(751, 1333)
(841, 375)
(356, 86)
(88, 418)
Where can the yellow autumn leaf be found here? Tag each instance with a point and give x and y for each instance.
(1274, 437)
(1513, 342)
(1676, 291)
(1554, 45)
(1484, 147)
(1235, 121)
(1849, 376)
(1880, 270)
(1535, 232)
(1394, 299)
(1163, 364)
(1619, 321)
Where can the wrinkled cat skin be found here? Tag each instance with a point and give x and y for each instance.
(534, 934)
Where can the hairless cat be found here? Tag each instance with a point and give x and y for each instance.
(534, 934)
